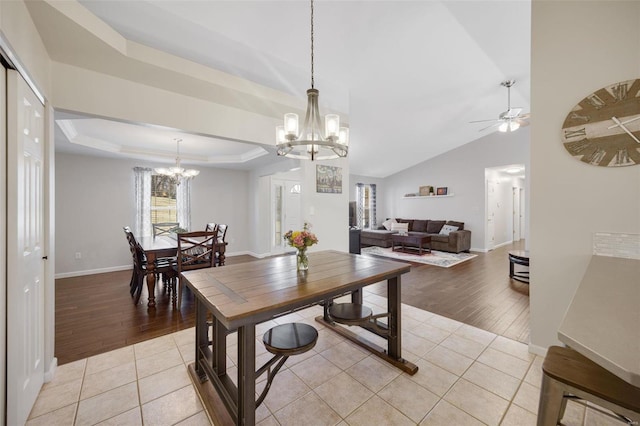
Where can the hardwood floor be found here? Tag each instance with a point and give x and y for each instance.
(95, 313)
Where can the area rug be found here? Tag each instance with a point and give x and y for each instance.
(435, 258)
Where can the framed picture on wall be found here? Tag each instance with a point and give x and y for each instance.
(328, 179)
(441, 191)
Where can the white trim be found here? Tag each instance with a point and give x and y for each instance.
(92, 271)
(50, 374)
(537, 350)
(481, 250)
(506, 243)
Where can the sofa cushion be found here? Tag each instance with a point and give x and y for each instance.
(440, 238)
(434, 226)
(400, 227)
(409, 221)
(387, 224)
(448, 228)
(460, 225)
(420, 225)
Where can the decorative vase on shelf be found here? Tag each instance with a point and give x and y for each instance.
(302, 260)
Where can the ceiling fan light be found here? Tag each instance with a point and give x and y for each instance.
(513, 126)
(504, 127)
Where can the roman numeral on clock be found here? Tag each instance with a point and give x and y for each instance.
(575, 133)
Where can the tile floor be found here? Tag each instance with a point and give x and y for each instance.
(466, 376)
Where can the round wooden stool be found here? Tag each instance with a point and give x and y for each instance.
(283, 341)
(350, 313)
(290, 339)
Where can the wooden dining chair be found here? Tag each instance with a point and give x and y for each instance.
(211, 227)
(164, 228)
(221, 240)
(196, 250)
(132, 248)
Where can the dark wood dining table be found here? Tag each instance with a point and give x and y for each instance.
(237, 297)
(165, 246)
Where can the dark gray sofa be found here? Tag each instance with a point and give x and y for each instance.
(456, 242)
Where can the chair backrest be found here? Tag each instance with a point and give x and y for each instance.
(137, 252)
(211, 227)
(196, 250)
(222, 232)
(164, 228)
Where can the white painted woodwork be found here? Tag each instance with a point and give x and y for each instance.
(3, 237)
(25, 266)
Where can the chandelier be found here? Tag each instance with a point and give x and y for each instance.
(309, 143)
(177, 173)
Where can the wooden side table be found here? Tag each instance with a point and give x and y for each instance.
(519, 257)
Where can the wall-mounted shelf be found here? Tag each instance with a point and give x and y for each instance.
(430, 196)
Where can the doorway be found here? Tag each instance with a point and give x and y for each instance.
(285, 211)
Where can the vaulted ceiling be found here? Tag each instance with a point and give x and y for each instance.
(409, 75)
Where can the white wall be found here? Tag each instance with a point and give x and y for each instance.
(577, 48)
(462, 171)
(95, 200)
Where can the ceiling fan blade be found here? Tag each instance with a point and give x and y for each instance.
(522, 123)
(484, 121)
(524, 116)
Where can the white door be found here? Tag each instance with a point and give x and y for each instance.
(492, 206)
(25, 266)
(522, 213)
(516, 214)
(292, 202)
(285, 202)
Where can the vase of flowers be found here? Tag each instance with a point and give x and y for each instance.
(301, 240)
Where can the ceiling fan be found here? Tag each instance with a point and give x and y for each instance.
(511, 119)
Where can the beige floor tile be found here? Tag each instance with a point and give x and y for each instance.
(433, 378)
(263, 327)
(409, 398)
(109, 360)
(449, 360)
(504, 362)
(132, 417)
(326, 340)
(344, 354)
(415, 313)
(596, 418)
(377, 412)
(61, 416)
(162, 383)
(362, 373)
(158, 362)
(269, 421)
(534, 375)
(297, 359)
(108, 404)
(463, 346)
(285, 388)
(492, 380)
(199, 419)
(105, 380)
(511, 347)
(343, 394)
(67, 373)
(477, 335)
(528, 397)
(188, 353)
(517, 416)
(184, 337)
(172, 408)
(573, 415)
(311, 312)
(415, 344)
(445, 414)
(56, 397)
(430, 332)
(408, 322)
(154, 346)
(444, 323)
(308, 410)
(285, 319)
(478, 402)
(315, 371)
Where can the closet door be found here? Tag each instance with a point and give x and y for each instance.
(25, 244)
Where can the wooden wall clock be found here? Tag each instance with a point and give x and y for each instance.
(603, 129)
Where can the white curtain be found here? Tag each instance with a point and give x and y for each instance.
(142, 190)
(360, 205)
(183, 204)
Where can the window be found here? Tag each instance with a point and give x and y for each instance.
(366, 205)
(164, 203)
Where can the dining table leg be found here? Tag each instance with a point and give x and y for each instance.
(394, 340)
(151, 278)
(247, 375)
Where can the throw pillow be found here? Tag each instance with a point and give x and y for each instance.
(448, 228)
(387, 224)
(434, 226)
(403, 228)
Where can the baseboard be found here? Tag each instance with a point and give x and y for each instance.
(480, 250)
(538, 350)
(129, 267)
(506, 243)
(49, 375)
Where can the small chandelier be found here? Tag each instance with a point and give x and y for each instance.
(309, 144)
(177, 173)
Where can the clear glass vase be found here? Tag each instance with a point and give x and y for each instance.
(302, 260)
